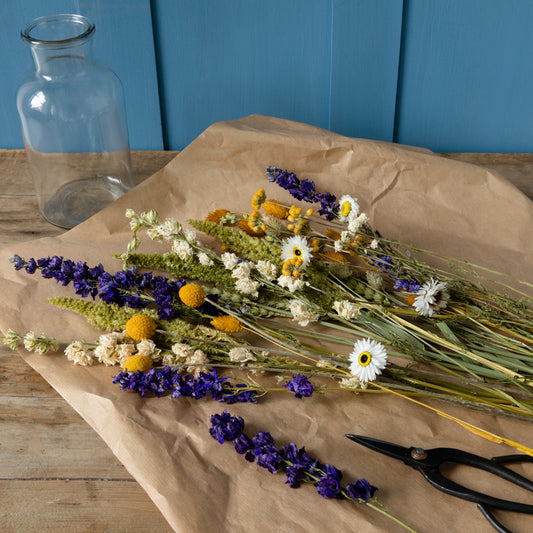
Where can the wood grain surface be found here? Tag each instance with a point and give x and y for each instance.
(56, 474)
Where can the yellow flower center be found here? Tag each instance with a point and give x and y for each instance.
(346, 207)
(365, 358)
(297, 252)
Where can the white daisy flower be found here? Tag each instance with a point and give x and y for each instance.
(297, 247)
(431, 297)
(374, 244)
(348, 208)
(302, 314)
(368, 359)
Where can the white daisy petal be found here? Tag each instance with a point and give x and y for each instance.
(431, 297)
(368, 359)
(348, 208)
(297, 247)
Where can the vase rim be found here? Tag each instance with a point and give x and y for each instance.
(85, 28)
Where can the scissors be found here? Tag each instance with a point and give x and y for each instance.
(428, 462)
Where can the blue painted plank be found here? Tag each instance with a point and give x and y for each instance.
(466, 84)
(123, 40)
(365, 55)
(15, 58)
(220, 60)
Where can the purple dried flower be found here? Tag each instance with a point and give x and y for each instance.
(304, 190)
(328, 487)
(301, 386)
(162, 380)
(225, 427)
(298, 465)
(268, 457)
(361, 490)
(122, 288)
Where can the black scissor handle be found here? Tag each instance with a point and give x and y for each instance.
(441, 482)
(498, 526)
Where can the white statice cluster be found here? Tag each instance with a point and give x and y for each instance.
(241, 271)
(267, 269)
(229, 260)
(302, 314)
(241, 355)
(112, 349)
(346, 309)
(245, 284)
(291, 283)
(167, 231)
(186, 355)
(182, 249)
(78, 353)
(355, 224)
(204, 259)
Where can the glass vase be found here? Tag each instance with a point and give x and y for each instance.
(73, 122)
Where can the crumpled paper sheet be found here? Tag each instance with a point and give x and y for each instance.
(410, 194)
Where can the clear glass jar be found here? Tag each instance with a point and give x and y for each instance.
(73, 122)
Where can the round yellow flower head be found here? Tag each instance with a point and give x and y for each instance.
(138, 363)
(217, 215)
(227, 323)
(140, 327)
(276, 209)
(192, 295)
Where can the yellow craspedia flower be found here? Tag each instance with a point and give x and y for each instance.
(227, 323)
(332, 234)
(141, 363)
(258, 199)
(217, 215)
(192, 295)
(334, 257)
(245, 226)
(140, 327)
(276, 209)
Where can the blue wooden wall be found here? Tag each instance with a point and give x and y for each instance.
(450, 75)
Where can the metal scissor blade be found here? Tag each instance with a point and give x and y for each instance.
(381, 446)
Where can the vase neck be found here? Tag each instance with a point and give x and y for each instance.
(60, 43)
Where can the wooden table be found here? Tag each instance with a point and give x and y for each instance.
(56, 474)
